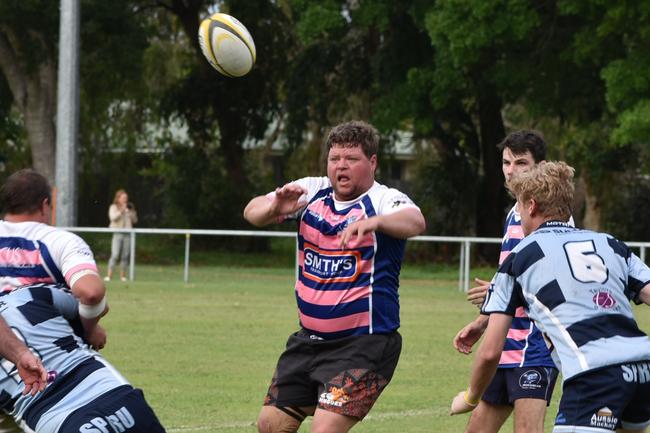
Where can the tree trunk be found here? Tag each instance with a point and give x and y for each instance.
(491, 204)
(34, 93)
(591, 220)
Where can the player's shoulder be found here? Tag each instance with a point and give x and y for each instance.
(380, 192)
(313, 184)
(49, 234)
(619, 247)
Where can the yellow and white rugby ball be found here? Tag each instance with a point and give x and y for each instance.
(227, 45)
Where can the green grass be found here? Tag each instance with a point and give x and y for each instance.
(204, 352)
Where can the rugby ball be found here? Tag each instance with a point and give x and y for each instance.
(227, 45)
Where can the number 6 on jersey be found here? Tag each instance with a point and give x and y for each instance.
(586, 266)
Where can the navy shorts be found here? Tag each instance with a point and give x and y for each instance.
(510, 384)
(606, 399)
(344, 375)
(122, 409)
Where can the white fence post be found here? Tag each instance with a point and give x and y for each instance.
(460, 268)
(132, 256)
(186, 272)
(468, 250)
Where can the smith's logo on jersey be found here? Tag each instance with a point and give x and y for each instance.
(331, 266)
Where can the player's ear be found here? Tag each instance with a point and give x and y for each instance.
(373, 162)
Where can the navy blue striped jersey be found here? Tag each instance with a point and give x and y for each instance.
(524, 345)
(577, 286)
(38, 314)
(351, 290)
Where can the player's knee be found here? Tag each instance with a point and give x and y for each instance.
(272, 420)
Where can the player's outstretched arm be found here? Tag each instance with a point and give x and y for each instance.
(262, 211)
(485, 364)
(470, 334)
(402, 224)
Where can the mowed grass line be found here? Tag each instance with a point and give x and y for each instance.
(204, 352)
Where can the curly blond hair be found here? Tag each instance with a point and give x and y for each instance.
(550, 184)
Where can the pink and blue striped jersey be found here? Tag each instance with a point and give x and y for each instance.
(32, 252)
(352, 290)
(525, 345)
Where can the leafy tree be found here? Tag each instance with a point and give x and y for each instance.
(28, 63)
(222, 113)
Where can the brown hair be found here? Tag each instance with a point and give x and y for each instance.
(550, 184)
(118, 193)
(354, 134)
(24, 191)
(526, 140)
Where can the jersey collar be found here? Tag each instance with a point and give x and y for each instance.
(554, 223)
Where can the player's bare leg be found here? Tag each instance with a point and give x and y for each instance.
(330, 422)
(488, 417)
(274, 420)
(529, 415)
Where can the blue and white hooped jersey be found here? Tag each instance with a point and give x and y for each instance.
(38, 315)
(576, 285)
(351, 290)
(524, 345)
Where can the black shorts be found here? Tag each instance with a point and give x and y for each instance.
(510, 384)
(344, 375)
(122, 409)
(609, 398)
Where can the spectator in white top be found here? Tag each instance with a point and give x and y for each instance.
(122, 215)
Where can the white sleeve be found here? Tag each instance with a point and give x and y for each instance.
(70, 254)
(312, 184)
(499, 295)
(393, 200)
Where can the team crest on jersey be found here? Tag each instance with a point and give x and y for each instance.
(331, 266)
(604, 418)
(399, 201)
(530, 380)
(604, 300)
(315, 215)
(346, 223)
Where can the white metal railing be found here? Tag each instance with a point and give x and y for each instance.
(463, 268)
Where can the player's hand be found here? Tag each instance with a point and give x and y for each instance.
(96, 337)
(32, 373)
(460, 405)
(467, 337)
(476, 295)
(287, 199)
(357, 230)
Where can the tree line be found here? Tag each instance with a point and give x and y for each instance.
(456, 74)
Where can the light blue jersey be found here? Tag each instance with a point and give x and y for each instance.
(576, 285)
(39, 316)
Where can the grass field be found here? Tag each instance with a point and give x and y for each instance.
(204, 352)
